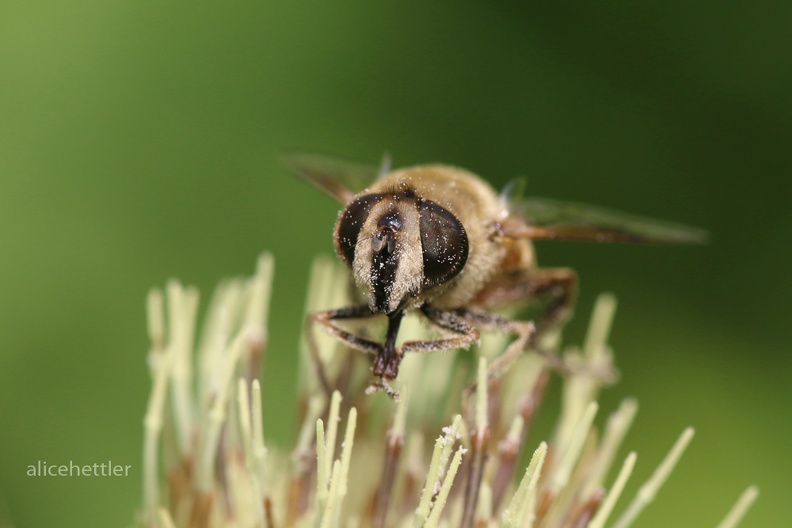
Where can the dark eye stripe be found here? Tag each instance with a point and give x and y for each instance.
(383, 275)
(444, 244)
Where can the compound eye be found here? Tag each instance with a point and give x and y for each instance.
(350, 222)
(444, 244)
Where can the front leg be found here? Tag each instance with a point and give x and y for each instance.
(447, 320)
(325, 320)
(386, 365)
(387, 360)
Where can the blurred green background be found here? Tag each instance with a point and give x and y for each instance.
(139, 141)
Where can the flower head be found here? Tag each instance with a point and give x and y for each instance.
(444, 455)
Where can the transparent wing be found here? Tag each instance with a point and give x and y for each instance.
(540, 218)
(338, 178)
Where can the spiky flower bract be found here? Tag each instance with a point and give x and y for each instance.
(444, 455)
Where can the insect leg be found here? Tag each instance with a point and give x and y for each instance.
(386, 365)
(325, 320)
(489, 321)
(524, 330)
(556, 286)
(447, 320)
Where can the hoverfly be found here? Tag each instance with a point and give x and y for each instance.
(439, 240)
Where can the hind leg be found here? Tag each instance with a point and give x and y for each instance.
(557, 287)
